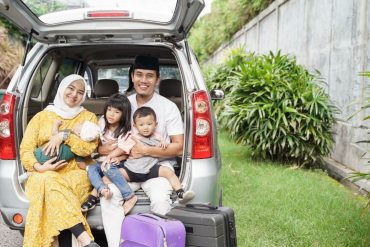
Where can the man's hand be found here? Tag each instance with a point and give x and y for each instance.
(139, 150)
(52, 147)
(163, 145)
(172, 149)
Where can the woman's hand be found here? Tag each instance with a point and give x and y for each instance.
(49, 165)
(52, 147)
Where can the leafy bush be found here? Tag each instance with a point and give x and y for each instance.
(226, 18)
(278, 108)
(221, 76)
(218, 76)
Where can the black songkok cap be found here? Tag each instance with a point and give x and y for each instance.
(146, 62)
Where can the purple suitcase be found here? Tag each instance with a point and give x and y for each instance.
(152, 230)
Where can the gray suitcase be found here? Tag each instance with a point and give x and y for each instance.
(206, 225)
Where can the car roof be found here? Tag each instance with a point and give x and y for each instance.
(129, 20)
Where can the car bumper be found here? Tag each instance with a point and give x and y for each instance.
(203, 179)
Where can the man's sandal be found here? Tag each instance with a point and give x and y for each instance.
(89, 204)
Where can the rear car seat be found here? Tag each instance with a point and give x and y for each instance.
(172, 90)
(103, 89)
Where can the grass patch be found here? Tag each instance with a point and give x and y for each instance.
(276, 205)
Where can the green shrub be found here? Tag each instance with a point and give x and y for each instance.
(226, 18)
(278, 108)
(221, 76)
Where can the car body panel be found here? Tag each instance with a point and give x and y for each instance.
(185, 15)
(202, 175)
(104, 43)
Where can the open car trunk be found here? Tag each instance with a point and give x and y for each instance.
(103, 65)
(99, 40)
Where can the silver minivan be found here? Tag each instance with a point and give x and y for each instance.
(99, 40)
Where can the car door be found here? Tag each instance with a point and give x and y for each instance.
(62, 21)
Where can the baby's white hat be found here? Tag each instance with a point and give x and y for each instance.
(89, 131)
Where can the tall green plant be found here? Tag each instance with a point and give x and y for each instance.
(363, 175)
(278, 108)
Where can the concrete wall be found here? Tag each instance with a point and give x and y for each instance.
(331, 36)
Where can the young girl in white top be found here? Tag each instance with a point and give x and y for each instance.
(114, 125)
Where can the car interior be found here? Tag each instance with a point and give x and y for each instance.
(87, 61)
(103, 88)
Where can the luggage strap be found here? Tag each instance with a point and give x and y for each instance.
(206, 208)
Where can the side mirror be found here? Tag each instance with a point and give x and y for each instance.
(217, 94)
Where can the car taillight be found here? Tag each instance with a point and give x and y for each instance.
(202, 126)
(7, 140)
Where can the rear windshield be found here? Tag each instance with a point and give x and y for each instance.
(121, 75)
(54, 11)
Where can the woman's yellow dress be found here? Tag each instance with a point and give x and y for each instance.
(55, 196)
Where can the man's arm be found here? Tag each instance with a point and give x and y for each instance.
(173, 149)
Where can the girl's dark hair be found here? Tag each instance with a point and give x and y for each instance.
(120, 102)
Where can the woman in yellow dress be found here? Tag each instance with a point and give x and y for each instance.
(56, 191)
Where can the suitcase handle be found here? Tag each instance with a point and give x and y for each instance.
(154, 216)
(201, 205)
(160, 215)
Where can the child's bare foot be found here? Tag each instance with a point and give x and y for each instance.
(129, 204)
(106, 193)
